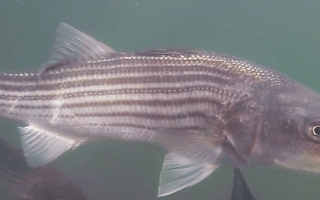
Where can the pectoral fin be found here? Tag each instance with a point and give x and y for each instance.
(179, 172)
(197, 147)
(192, 158)
(42, 146)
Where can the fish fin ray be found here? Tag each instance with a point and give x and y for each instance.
(197, 147)
(72, 44)
(40, 146)
(179, 172)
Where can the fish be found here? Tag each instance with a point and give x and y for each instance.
(240, 190)
(204, 108)
(26, 183)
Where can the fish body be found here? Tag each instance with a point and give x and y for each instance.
(205, 108)
(26, 183)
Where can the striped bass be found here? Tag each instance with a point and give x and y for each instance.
(204, 108)
(42, 183)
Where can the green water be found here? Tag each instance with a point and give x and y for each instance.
(283, 35)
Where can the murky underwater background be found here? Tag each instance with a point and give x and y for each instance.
(282, 35)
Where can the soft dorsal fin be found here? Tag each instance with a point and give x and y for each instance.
(72, 44)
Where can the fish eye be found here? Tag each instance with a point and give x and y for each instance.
(316, 130)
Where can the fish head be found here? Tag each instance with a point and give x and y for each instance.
(290, 134)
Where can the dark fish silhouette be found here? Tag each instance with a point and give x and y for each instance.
(240, 189)
(26, 183)
(205, 108)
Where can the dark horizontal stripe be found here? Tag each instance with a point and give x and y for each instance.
(147, 115)
(112, 70)
(19, 77)
(142, 116)
(151, 90)
(150, 103)
(155, 103)
(29, 97)
(27, 88)
(5, 105)
(123, 125)
(109, 68)
(176, 79)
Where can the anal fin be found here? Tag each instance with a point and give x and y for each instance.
(41, 146)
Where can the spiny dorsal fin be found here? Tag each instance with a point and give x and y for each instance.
(72, 44)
